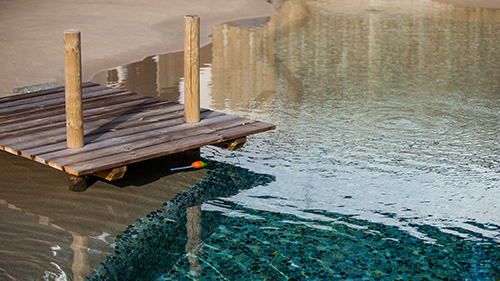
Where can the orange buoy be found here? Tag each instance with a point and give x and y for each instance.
(196, 165)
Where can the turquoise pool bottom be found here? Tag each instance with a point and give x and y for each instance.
(241, 243)
(284, 247)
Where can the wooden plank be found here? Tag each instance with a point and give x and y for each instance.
(56, 107)
(194, 140)
(121, 128)
(167, 148)
(109, 137)
(119, 151)
(145, 124)
(28, 97)
(94, 126)
(56, 143)
(232, 144)
(153, 135)
(52, 99)
(96, 118)
(89, 110)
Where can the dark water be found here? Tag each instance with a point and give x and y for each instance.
(386, 153)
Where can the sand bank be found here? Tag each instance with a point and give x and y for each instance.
(113, 33)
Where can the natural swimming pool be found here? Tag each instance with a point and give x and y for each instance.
(386, 151)
(384, 164)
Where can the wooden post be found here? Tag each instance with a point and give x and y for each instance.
(192, 69)
(73, 86)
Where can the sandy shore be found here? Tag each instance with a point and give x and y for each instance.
(113, 33)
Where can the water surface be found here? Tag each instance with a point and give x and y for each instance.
(381, 106)
(387, 117)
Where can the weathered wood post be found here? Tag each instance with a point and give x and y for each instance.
(191, 69)
(73, 86)
(73, 93)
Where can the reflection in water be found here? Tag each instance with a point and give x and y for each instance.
(385, 110)
(382, 108)
(50, 233)
(251, 244)
(158, 76)
(193, 245)
(27, 232)
(153, 244)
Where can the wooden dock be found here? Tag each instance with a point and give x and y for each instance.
(87, 128)
(120, 128)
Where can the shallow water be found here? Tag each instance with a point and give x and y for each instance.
(382, 107)
(386, 153)
(385, 156)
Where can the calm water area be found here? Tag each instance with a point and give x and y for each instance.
(385, 164)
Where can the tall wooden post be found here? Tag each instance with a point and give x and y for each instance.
(192, 69)
(73, 86)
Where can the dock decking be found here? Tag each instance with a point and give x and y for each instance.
(120, 128)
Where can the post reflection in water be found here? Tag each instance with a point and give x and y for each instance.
(80, 247)
(153, 244)
(193, 245)
(80, 266)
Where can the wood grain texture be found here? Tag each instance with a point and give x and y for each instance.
(73, 88)
(120, 128)
(192, 69)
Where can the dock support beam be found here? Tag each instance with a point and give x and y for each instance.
(192, 69)
(232, 144)
(73, 88)
(77, 183)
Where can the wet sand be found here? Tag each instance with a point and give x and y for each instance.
(113, 33)
(38, 211)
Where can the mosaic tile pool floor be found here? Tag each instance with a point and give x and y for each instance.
(238, 243)
(277, 247)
